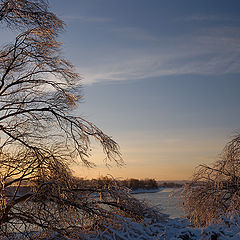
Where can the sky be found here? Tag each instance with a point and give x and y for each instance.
(161, 77)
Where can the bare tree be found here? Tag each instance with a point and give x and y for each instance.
(214, 191)
(40, 137)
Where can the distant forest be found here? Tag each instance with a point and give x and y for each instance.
(131, 183)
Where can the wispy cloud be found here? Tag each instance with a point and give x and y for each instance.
(209, 17)
(88, 19)
(212, 51)
(135, 34)
(131, 70)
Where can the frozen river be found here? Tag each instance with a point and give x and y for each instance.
(167, 200)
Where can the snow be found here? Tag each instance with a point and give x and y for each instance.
(173, 229)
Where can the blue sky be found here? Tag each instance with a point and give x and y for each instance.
(161, 77)
(128, 40)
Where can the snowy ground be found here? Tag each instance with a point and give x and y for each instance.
(174, 229)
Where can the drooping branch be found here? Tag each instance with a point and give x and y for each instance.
(27, 14)
(214, 190)
(40, 135)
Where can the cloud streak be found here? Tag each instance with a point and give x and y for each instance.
(208, 18)
(87, 19)
(210, 52)
(135, 34)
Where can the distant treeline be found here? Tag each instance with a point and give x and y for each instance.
(131, 183)
(135, 184)
(151, 183)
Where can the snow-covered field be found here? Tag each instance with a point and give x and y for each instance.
(173, 229)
